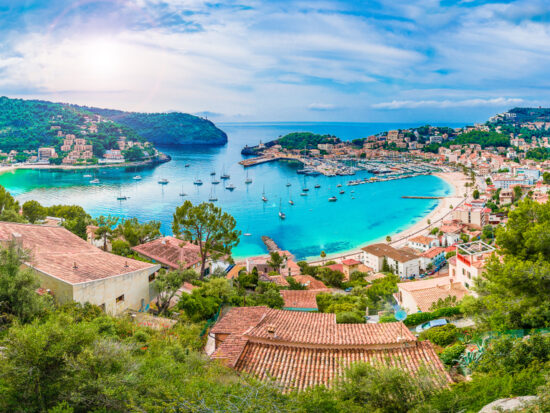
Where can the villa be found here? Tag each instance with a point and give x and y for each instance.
(72, 270)
(403, 262)
(420, 295)
(299, 350)
(423, 242)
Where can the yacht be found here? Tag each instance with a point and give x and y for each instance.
(223, 175)
(137, 178)
(332, 199)
(263, 196)
(94, 181)
(197, 182)
(212, 197)
(182, 193)
(247, 180)
(303, 194)
(342, 192)
(317, 186)
(282, 215)
(305, 189)
(230, 187)
(212, 173)
(338, 186)
(163, 181)
(247, 234)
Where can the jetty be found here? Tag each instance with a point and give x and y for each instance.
(422, 197)
(270, 244)
(263, 159)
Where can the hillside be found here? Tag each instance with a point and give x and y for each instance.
(172, 128)
(26, 125)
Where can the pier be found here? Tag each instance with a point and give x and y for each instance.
(422, 197)
(263, 159)
(270, 244)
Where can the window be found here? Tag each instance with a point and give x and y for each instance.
(120, 299)
(152, 277)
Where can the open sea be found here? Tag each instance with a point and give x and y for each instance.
(312, 224)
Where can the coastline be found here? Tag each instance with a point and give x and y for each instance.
(455, 179)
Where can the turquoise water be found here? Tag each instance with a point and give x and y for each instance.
(312, 225)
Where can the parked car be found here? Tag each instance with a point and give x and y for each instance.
(430, 324)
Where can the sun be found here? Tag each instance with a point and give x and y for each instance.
(102, 58)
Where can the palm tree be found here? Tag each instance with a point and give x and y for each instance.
(323, 256)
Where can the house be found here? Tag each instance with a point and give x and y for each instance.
(74, 270)
(288, 268)
(414, 296)
(469, 262)
(348, 266)
(506, 196)
(451, 232)
(298, 350)
(172, 253)
(471, 214)
(423, 243)
(310, 283)
(300, 300)
(403, 263)
(434, 256)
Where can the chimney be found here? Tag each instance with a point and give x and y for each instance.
(17, 238)
(271, 330)
(75, 267)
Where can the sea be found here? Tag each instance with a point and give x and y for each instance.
(363, 214)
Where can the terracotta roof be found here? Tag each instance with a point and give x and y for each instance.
(299, 350)
(303, 367)
(310, 282)
(421, 239)
(433, 252)
(279, 280)
(351, 261)
(372, 277)
(300, 298)
(427, 292)
(59, 253)
(336, 267)
(385, 250)
(170, 251)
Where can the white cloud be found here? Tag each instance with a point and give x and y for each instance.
(321, 106)
(411, 104)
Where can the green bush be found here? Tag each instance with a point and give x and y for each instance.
(419, 318)
(349, 317)
(387, 319)
(442, 336)
(450, 355)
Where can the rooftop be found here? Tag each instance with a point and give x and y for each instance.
(304, 299)
(427, 292)
(421, 239)
(385, 250)
(170, 251)
(59, 253)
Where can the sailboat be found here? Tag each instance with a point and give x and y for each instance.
(212, 173)
(212, 197)
(282, 215)
(317, 186)
(121, 197)
(247, 180)
(224, 175)
(305, 188)
(197, 182)
(137, 178)
(163, 181)
(230, 187)
(263, 196)
(215, 181)
(288, 183)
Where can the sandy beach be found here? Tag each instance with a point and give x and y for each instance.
(440, 213)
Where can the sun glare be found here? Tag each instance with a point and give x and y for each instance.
(103, 59)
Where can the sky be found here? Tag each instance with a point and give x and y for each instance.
(279, 60)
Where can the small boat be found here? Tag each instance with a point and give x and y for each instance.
(87, 176)
(230, 187)
(288, 184)
(122, 198)
(182, 193)
(212, 173)
(342, 192)
(215, 182)
(224, 176)
(338, 186)
(317, 186)
(137, 178)
(163, 181)
(291, 202)
(282, 215)
(187, 165)
(332, 199)
(303, 194)
(263, 196)
(247, 180)
(247, 234)
(352, 197)
(212, 197)
(197, 182)
(305, 189)
(94, 181)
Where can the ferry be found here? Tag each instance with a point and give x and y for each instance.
(163, 181)
(197, 182)
(332, 199)
(230, 187)
(94, 181)
(137, 178)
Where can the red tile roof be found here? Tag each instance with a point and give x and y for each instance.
(300, 298)
(421, 239)
(433, 252)
(170, 251)
(336, 267)
(351, 261)
(299, 350)
(310, 282)
(59, 253)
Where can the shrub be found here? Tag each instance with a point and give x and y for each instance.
(450, 355)
(419, 318)
(442, 336)
(349, 317)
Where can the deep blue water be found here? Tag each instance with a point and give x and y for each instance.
(312, 225)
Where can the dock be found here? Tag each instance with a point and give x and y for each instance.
(270, 244)
(422, 197)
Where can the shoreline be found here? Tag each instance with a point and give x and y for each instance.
(442, 210)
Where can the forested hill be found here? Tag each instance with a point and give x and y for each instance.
(171, 128)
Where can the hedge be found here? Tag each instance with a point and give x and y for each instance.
(419, 318)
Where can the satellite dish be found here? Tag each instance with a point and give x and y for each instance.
(400, 315)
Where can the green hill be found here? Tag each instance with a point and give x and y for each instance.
(171, 128)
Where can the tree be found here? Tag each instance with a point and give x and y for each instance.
(388, 239)
(475, 194)
(275, 260)
(488, 181)
(385, 265)
(18, 286)
(518, 192)
(208, 227)
(105, 229)
(323, 255)
(7, 202)
(133, 154)
(136, 233)
(33, 211)
(168, 283)
(121, 247)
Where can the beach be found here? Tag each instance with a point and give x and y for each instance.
(441, 212)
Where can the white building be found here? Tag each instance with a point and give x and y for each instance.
(423, 243)
(403, 263)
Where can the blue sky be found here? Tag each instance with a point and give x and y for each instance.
(251, 60)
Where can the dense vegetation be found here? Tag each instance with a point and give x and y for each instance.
(482, 138)
(305, 140)
(172, 128)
